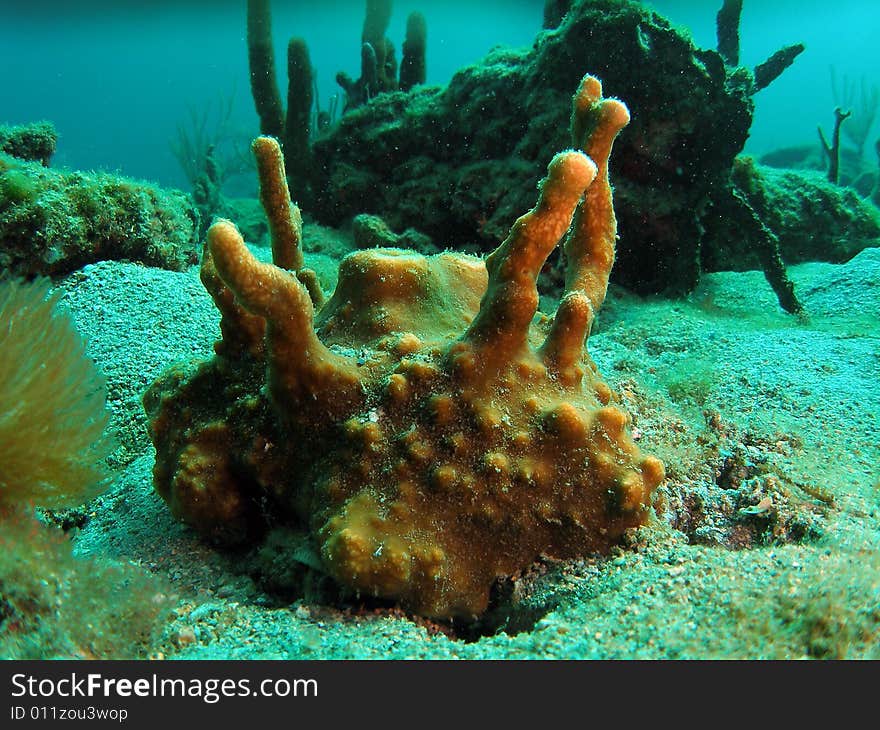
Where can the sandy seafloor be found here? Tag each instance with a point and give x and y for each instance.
(766, 542)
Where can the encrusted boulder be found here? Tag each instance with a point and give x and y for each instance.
(459, 163)
(54, 222)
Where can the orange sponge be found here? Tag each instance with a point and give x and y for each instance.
(426, 430)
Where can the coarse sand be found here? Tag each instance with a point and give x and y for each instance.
(765, 543)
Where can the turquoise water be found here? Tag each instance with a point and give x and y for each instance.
(117, 78)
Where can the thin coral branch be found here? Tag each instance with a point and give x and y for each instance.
(208, 138)
(863, 98)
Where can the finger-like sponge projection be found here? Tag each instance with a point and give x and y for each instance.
(424, 426)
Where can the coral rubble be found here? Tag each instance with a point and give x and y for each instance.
(422, 426)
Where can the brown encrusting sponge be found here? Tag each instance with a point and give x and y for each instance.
(428, 431)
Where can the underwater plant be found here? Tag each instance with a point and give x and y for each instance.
(53, 443)
(418, 426)
(56, 605)
(52, 414)
(862, 99)
(207, 139)
(209, 153)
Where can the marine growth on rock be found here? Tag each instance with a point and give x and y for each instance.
(424, 428)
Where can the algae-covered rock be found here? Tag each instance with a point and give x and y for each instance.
(53, 222)
(34, 142)
(461, 163)
(814, 219)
